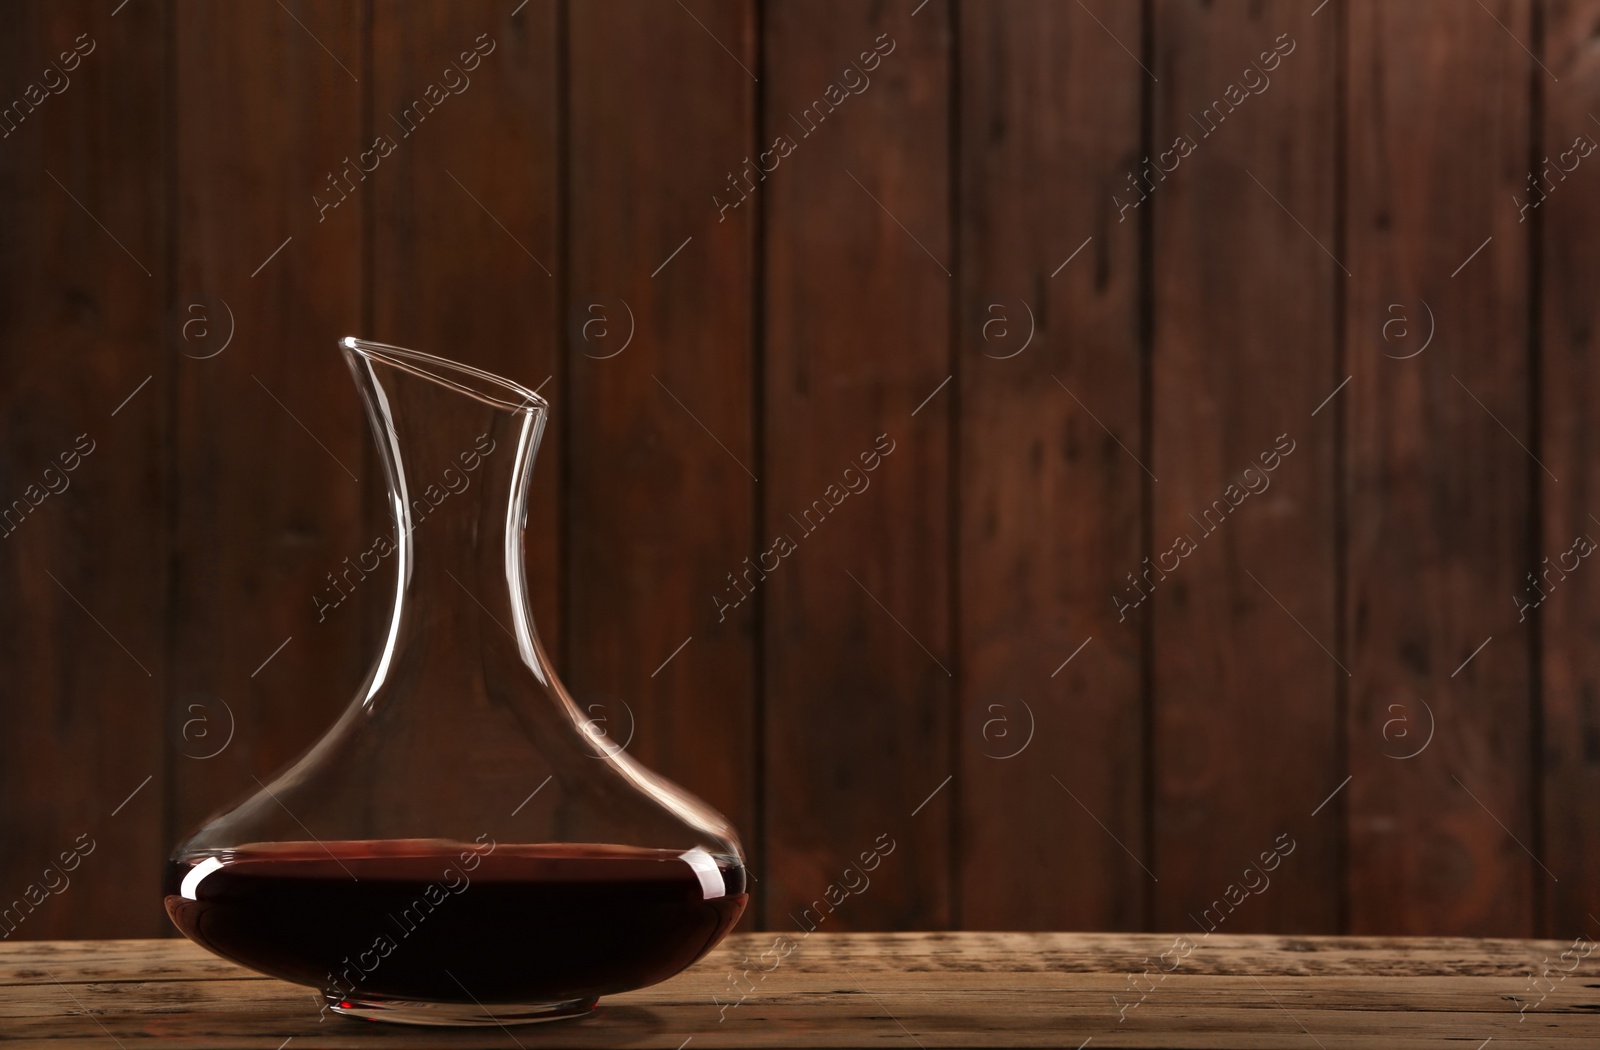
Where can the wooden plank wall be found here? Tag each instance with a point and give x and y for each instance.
(262, 113)
(1242, 354)
(89, 376)
(1437, 478)
(1155, 412)
(858, 689)
(669, 420)
(1043, 437)
(1566, 254)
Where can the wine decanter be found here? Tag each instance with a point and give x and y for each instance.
(462, 846)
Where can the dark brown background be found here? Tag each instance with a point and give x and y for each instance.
(922, 631)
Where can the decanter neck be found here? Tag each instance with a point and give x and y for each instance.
(458, 448)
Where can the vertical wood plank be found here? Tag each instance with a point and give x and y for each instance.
(1244, 679)
(659, 425)
(858, 297)
(1569, 221)
(84, 366)
(269, 435)
(1439, 490)
(1050, 504)
(465, 218)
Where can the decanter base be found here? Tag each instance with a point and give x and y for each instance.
(413, 1011)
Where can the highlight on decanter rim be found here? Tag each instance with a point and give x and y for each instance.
(464, 845)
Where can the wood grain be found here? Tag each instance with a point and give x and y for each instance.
(858, 990)
(83, 475)
(660, 430)
(858, 688)
(1440, 476)
(270, 438)
(1569, 265)
(1050, 500)
(1244, 670)
(463, 261)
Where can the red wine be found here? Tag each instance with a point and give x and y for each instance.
(454, 922)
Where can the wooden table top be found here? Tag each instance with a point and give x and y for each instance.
(883, 990)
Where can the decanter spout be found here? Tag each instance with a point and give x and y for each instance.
(458, 448)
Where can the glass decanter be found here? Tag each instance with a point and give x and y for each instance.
(463, 846)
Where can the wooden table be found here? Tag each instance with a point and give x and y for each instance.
(882, 990)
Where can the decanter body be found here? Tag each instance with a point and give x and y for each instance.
(462, 846)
